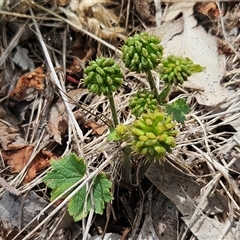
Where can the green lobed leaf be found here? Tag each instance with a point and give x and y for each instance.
(197, 68)
(65, 172)
(80, 205)
(178, 109)
(114, 136)
(101, 192)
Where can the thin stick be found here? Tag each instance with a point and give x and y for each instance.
(225, 34)
(27, 16)
(66, 200)
(57, 82)
(13, 43)
(113, 110)
(78, 27)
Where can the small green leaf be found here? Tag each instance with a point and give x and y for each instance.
(114, 136)
(65, 173)
(101, 192)
(79, 206)
(178, 110)
(197, 68)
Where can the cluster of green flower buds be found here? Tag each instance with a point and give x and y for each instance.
(142, 52)
(122, 132)
(176, 70)
(153, 134)
(103, 76)
(142, 102)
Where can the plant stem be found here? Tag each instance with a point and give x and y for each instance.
(152, 84)
(126, 164)
(113, 109)
(164, 94)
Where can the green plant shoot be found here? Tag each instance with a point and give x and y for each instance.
(65, 173)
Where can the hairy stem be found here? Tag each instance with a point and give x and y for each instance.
(113, 109)
(126, 164)
(152, 84)
(164, 94)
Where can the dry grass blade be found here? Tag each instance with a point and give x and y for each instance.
(13, 43)
(82, 183)
(75, 26)
(9, 187)
(56, 81)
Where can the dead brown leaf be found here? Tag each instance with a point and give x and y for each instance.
(96, 128)
(78, 63)
(75, 66)
(63, 2)
(209, 9)
(143, 10)
(19, 157)
(56, 127)
(40, 162)
(8, 134)
(31, 81)
(223, 47)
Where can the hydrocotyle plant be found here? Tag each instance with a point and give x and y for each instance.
(153, 132)
(153, 135)
(104, 76)
(175, 70)
(143, 53)
(142, 102)
(65, 173)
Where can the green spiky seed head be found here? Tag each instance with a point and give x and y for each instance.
(176, 70)
(153, 134)
(103, 76)
(123, 132)
(142, 52)
(142, 102)
(121, 129)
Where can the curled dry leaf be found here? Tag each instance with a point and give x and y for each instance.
(58, 121)
(58, 126)
(96, 18)
(63, 2)
(209, 9)
(19, 157)
(78, 64)
(8, 134)
(96, 128)
(29, 82)
(110, 33)
(143, 10)
(223, 47)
